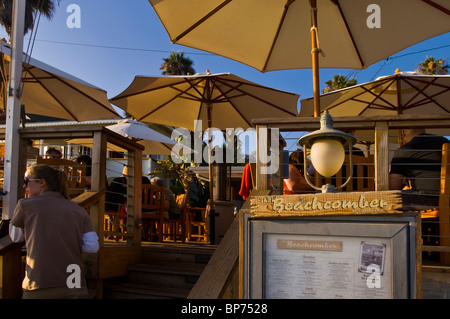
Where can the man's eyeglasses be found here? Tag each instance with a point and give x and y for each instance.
(26, 180)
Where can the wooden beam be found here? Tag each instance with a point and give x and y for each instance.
(11, 274)
(98, 182)
(86, 199)
(381, 156)
(262, 149)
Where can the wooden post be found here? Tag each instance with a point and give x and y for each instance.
(134, 200)
(212, 210)
(98, 182)
(262, 149)
(11, 273)
(444, 209)
(381, 156)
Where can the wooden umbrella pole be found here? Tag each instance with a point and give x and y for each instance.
(315, 58)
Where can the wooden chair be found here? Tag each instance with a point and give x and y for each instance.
(363, 179)
(76, 172)
(115, 224)
(195, 220)
(174, 229)
(152, 211)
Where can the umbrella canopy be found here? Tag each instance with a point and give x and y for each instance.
(220, 100)
(51, 92)
(275, 34)
(401, 93)
(179, 100)
(155, 143)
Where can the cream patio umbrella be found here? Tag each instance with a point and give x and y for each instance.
(275, 34)
(401, 93)
(221, 101)
(51, 92)
(154, 142)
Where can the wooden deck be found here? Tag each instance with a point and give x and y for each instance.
(435, 282)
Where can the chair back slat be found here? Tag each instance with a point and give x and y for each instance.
(153, 209)
(152, 197)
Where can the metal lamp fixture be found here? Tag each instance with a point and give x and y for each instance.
(327, 151)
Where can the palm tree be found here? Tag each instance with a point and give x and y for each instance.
(432, 66)
(177, 64)
(45, 7)
(339, 82)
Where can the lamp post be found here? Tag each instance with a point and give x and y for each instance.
(327, 147)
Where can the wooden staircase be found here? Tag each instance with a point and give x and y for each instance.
(166, 271)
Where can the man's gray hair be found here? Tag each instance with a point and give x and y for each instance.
(157, 181)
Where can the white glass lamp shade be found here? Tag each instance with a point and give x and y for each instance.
(327, 156)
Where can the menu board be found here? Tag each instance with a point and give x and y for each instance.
(308, 266)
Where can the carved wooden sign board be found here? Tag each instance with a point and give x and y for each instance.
(329, 245)
(354, 203)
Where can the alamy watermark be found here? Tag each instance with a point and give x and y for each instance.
(74, 279)
(74, 18)
(374, 19)
(374, 279)
(268, 157)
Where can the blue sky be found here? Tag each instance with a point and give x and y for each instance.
(120, 39)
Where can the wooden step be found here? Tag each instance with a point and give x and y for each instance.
(166, 270)
(165, 273)
(122, 289)
(200, 253)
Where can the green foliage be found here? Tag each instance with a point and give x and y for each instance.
(45, 7)
(433, 66)
(339, 82)
(183, 180)
(177, 64)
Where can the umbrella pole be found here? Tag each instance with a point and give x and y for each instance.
(212, 211)
(315, 58)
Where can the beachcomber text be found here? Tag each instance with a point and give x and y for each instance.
(280, 205)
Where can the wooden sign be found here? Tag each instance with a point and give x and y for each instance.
(351, 203)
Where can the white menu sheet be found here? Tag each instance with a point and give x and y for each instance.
(308, 266)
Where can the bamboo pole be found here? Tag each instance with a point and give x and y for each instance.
(315, 57)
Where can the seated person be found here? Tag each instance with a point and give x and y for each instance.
(418, 164)
(296, 183)
(86, 159)
(116, 191)
(170, 201)
(53, 153)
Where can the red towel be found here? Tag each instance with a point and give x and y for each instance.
(246, 182)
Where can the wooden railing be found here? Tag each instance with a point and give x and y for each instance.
(110, 261)
(220, 277)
